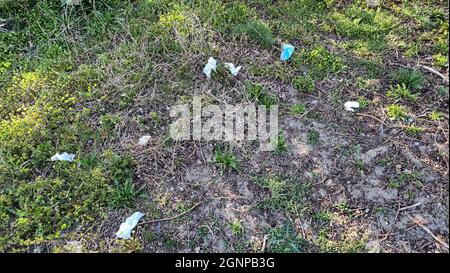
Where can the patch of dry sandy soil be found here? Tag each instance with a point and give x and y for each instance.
(368, 184)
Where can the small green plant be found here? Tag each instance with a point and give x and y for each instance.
(440, 59)
(345, 244)
(303, 84)
(283, 239)
(254, 90)
(413, 130)
(312, 137)
(393, 184)
(404, 179)
(155, 117)
(286, 195)
(323, 216)
(396, 112)
(236, 227)
(359, 164)
(258, 32)
(413, 50)
(383, 161)
(108, 122)
(297, 109)
(363, 103)
(267, 100)
(380, 210)
(435, 115)
(442, 91)
(225, 159)
(126, 98)
(168, 140)
(259, 94)
(175, 19)
(409, 78)
(401, 92)
(281, 143)
(233, 14)
(358, 22)
(222, 74)
(124, 192)
(321, 61)
(124, 195)
(344, 208)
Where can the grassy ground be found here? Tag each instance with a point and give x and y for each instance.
(91, 79)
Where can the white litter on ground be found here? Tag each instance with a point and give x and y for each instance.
(210, 66)
(127, 227)
(144, 140)
(63, 157)
(234, 70)
(350, 105)
(71, 2)
(373, 3)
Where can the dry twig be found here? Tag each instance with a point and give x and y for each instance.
(435, 72)
(172, 217)
(427, 230)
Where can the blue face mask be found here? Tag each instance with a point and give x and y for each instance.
(287, 52)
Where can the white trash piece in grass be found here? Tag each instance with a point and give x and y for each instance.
(71, 2)
(234, 70)
(373, 3)
(128, 226)
(144, 140)
(350, 105)
(286, 53)
(63, 157)
(210, 66)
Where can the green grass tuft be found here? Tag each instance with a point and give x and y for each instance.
(396, 112)
(312, 137)
(225, 159)
(283, 239)
(288, 196)
(409, 79)
(303, 84)
(297, 109)
(257, 32)
(401, 92)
